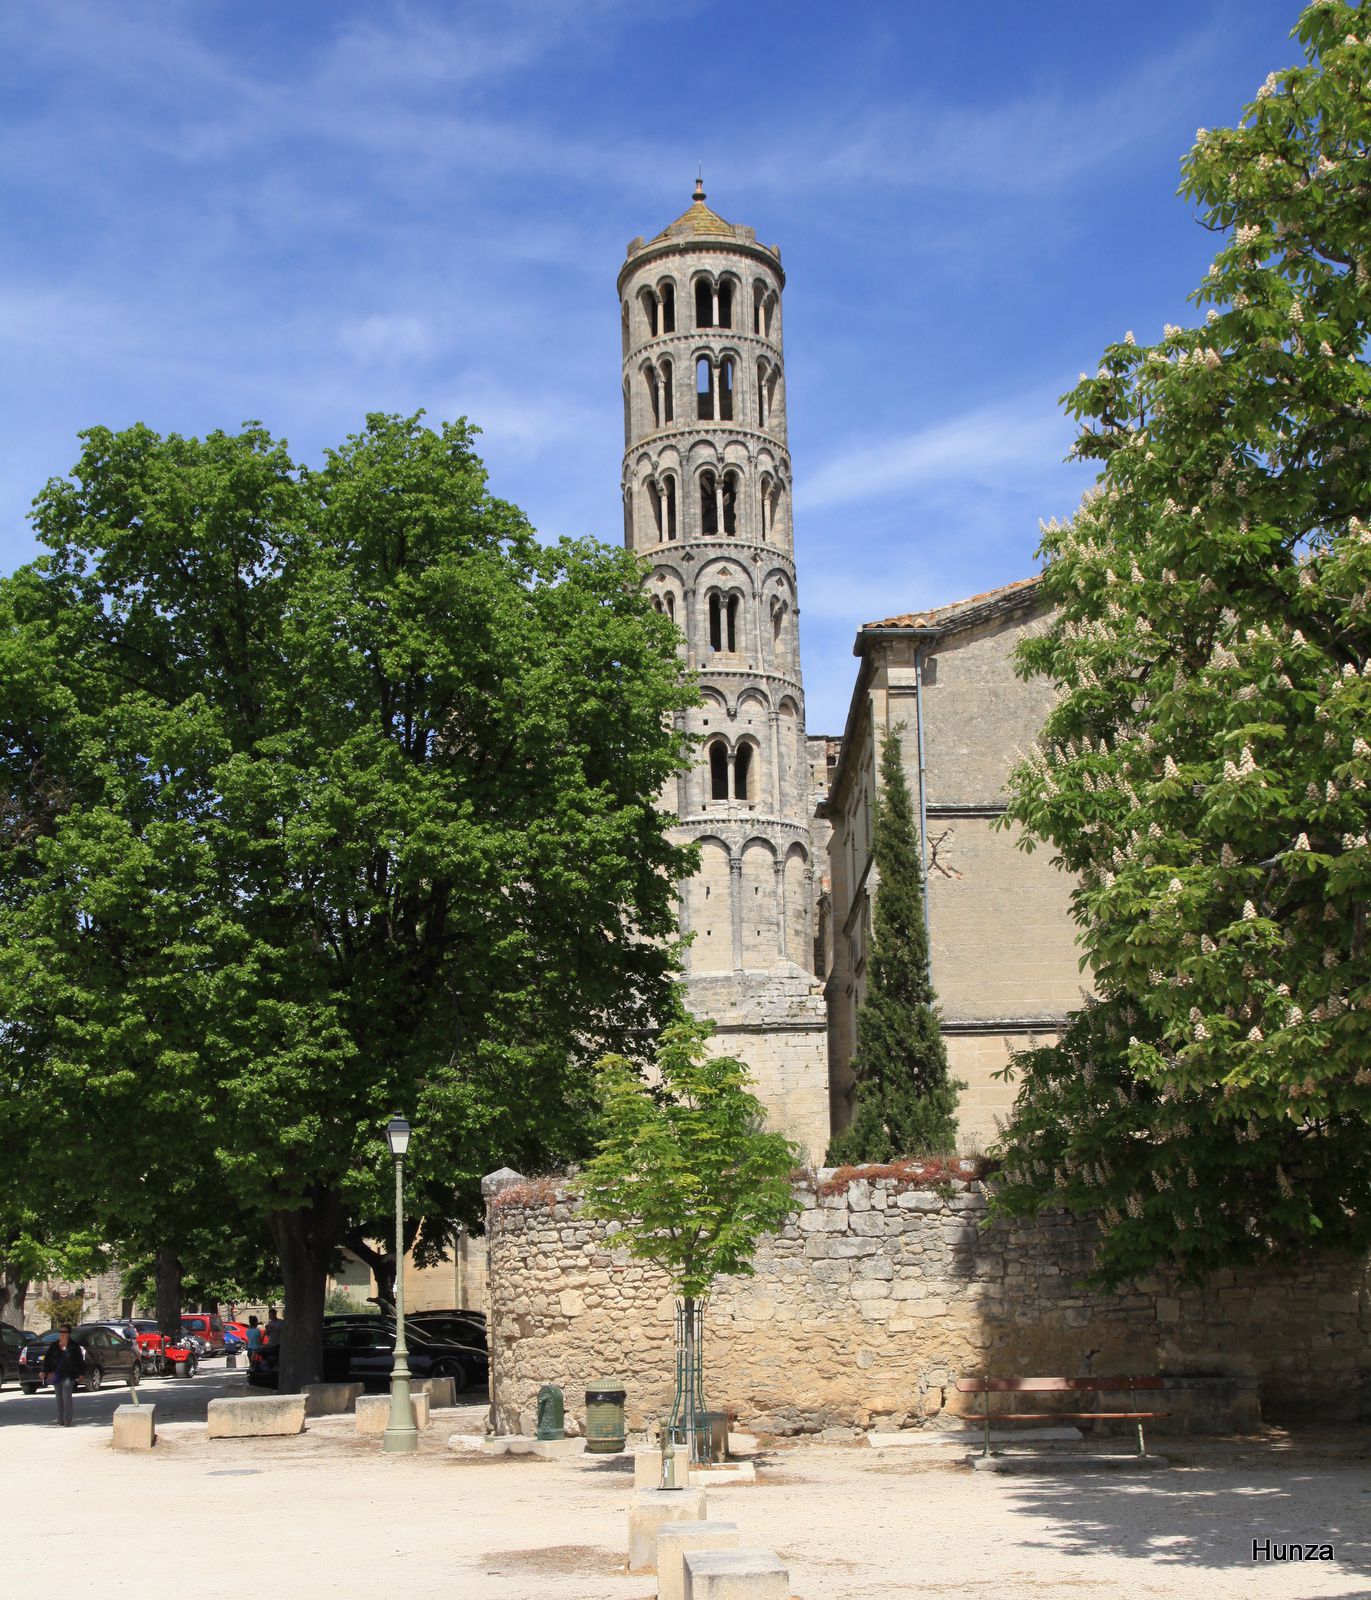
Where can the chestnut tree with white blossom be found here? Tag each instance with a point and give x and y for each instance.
(1206, 771)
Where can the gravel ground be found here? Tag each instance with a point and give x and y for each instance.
(326, 1514)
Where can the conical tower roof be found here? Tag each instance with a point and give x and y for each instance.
(697, 219)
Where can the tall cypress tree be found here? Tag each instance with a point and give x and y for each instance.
(906, 1101)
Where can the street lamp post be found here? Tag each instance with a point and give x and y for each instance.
(401, 1436)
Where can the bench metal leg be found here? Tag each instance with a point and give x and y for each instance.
(1142, 1443)
(985, 1451)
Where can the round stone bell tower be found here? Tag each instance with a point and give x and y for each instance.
(706, 484)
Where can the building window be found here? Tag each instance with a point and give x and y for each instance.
(728, 502)
(704, 303)
(724, 300)
(742, 773)
(671, 606)
(669, 500)
(709, 503)
(668, 291)
(704, 390)
(726, 389)
(653, 395)
(650, 310)
(718, 770)
(668, 394)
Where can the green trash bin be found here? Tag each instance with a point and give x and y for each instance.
(605, 1417)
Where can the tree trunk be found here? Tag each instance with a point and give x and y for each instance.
(168, 1267)
(13, 1293)
(382, 1267)
(306, 1240)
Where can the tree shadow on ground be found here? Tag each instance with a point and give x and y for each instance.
(1202, 1517)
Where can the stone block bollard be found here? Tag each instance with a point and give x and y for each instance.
(442, 1393)
(135, 1427)
(674, 1539)
(330, 1399)
(255, 1417)
(647, 1466)
(735, 1575)
(373, 1412)
(651, 1508)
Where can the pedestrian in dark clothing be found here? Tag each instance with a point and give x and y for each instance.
(63, 1363)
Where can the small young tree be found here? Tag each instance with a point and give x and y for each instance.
(906, 1102)
(689, 1171)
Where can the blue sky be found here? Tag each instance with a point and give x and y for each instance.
(302, 212)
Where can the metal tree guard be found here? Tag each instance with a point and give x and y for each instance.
(688, 1423)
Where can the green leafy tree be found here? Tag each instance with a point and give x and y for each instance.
(906, 1101)
(686, 1166)
(357, 788)
(1206, 771)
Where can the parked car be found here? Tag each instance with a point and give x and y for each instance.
(12, 1341)
(205, 1325)
(109, 1355)
(235, 1335)
(361, 1349)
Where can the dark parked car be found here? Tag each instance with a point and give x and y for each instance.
(109, 1356)
(361, 1349)
(12, 1341)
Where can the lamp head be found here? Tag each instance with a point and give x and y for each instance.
(397, 1136)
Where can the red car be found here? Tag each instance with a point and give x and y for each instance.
(207, 1326)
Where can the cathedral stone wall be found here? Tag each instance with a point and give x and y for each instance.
(1002, 945)
(877, 1295)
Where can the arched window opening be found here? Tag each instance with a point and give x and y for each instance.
(718, 770)
(669, 496)
(628, 413)
(716, 623)
(726, 304)
(758, 299)
(668, 394)
(654, 501)
(668, 307)
(657, 603)
(650, 312)
(778, 511)
(709, 503)
(625, 327)
(761, 394)
(704, 390)
(629, 540)
(671, 606)
(731, 622)
(654, 395)
(726, 389)
(704, 303)
(777, 618)
(729, 502)
(765, 507)
(742, 773)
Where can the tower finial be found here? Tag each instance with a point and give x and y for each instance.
(699, 184)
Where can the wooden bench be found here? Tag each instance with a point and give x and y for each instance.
(1128, 1386)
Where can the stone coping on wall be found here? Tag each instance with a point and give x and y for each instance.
(885, 1285)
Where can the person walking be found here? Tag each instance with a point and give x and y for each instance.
(63, 1363)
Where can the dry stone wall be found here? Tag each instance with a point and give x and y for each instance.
(877, 1295)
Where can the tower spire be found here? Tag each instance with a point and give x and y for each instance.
(699, 184)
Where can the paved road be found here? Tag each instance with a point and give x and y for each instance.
(176, 1399)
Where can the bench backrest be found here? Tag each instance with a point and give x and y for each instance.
(1050, 1385)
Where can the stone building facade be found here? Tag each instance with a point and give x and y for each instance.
(1004, 960)
(882, 1289)
(706, 488)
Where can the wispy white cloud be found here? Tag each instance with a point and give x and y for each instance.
(986, 444)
